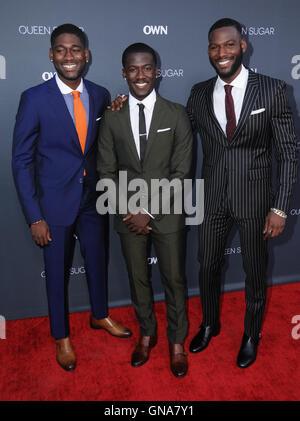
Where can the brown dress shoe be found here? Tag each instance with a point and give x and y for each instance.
(178, 360)
(142, 350)
(111, 326)
(65, 355)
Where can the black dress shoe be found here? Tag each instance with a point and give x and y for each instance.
(203, 337)
(248, 351)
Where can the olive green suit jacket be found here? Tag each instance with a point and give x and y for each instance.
(168, 156)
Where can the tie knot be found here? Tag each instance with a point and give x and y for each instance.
(141, 107)
(228, 88)
(76, 94)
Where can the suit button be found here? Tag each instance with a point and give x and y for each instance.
(81, 180)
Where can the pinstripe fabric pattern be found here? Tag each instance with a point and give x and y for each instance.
(238, 186)
(244, 163)
(213, 234)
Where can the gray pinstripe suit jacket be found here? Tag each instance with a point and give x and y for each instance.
(244, 165)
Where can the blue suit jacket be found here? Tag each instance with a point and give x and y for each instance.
(47, 160)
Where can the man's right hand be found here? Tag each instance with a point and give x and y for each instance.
(117, 104)
(40, 233)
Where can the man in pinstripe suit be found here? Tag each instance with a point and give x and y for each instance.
(239, 126)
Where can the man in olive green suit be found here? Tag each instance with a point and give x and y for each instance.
(150, 138)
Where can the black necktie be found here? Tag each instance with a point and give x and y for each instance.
(230, 114)
(142, 131)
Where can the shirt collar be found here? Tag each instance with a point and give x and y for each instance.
(149, 101)
(65, 89)
(239, 82)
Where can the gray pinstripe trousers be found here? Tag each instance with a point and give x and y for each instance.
(213, 233)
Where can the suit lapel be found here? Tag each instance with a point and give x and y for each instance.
(59, 107)
(157, 117)
(248, 103)
(126, 128)
(92, 116)
(155, 124)
(210, 107)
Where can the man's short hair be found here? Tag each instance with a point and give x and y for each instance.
(138, 47)
(69, 28)
(225, 22)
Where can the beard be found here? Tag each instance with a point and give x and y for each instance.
(235, 65)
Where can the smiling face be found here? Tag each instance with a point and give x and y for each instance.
(140, 72)
(225, 50)
(69, 58)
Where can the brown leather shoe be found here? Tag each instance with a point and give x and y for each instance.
(65, 355)
(178, 360)
(111, 326)
(142, 350)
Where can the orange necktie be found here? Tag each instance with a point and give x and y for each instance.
(80, 120)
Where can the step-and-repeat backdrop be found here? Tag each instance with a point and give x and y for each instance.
(177, 30)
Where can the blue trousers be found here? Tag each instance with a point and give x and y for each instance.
(90, 228)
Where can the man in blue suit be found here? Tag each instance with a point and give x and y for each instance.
(54, 167)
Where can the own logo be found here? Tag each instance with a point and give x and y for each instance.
(155, 30)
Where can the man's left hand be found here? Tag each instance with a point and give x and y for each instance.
(117, 103)
(138, 223)
(274, 225)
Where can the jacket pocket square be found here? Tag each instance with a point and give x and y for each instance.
(261, 110)
(163, 130)
(99, 118)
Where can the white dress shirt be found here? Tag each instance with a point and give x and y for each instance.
(238, 92)
(66, 92)
(149, 103)
(65, 89)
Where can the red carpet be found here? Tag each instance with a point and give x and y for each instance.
(29, 371)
